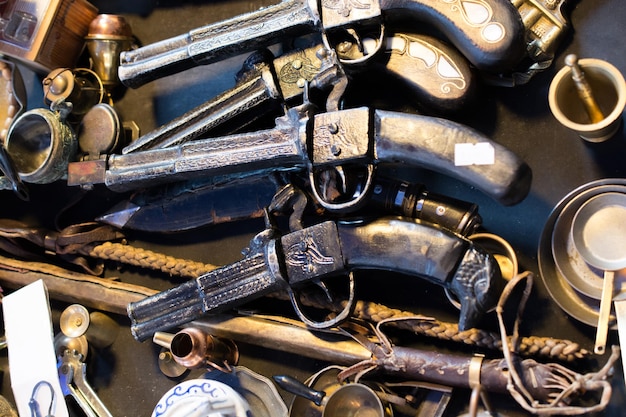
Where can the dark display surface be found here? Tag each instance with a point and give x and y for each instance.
(126, 376)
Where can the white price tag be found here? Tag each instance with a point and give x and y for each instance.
(482, 153)
(32, 360)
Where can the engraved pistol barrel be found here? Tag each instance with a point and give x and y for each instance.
(254, 94)
(267, 150)
(226, 287)
(214, 42)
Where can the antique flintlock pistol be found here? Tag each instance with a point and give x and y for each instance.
(489, 33)
(341, 142)
(276, 262)
(432, 73)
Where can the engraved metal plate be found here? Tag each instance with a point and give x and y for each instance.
(341, 136)
(312, 252)
(294, 70)
(347, 12)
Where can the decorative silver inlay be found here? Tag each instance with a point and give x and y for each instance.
(432, 57)
(266, 21)
(478, 13)
(344, 7)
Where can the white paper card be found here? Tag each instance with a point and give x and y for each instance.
(620, 312)
(32, 359)
(482, 153)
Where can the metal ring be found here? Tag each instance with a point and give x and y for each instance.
(367, 57)
(474, 371)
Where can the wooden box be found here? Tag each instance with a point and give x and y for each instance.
(44, 34)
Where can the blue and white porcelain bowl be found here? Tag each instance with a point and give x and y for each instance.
(201, 398)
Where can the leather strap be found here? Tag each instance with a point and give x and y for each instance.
(70, 244)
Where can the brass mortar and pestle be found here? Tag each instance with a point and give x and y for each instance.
(588, 96)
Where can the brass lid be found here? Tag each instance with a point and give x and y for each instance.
(58, 84)
(74, 320)
(99, 130)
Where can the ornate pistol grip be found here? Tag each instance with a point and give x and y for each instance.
(489, 33)
(421, 142)
(436, 73)
(217, 41)
(218, 290)
(433, 253)
(453, 149)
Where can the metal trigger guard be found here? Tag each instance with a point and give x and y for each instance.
(367, 55)
(356, 37)
(343, 315)
(345, 207)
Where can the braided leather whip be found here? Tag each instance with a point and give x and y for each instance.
(148, 259)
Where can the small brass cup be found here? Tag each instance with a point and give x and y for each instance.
(609, 88)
